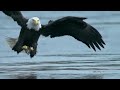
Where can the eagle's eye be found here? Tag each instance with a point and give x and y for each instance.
(33, 20)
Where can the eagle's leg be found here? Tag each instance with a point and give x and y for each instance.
(33, 50)
(18, 47)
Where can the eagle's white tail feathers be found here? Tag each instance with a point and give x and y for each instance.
(12, 41)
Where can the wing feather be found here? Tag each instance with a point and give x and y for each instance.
(77, 28)
(17, 16)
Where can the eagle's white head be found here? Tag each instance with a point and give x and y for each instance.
(34, 23)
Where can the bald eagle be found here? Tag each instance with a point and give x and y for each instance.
(31, 29)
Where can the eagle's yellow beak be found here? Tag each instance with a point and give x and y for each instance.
(36, 22)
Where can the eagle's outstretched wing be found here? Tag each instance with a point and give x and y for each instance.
(75, 27)
(17, 16)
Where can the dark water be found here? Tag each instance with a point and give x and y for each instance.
(63, 57)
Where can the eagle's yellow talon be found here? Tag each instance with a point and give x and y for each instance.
(25, 47)
(31, 48)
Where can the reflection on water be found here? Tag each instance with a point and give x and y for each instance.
(92, 77)
(29, 76)
(63, 57)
